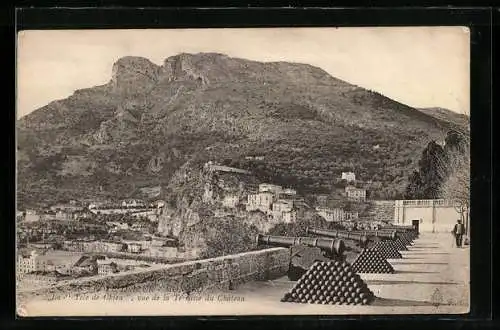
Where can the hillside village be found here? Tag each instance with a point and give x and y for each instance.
(114, 236)
(192, 161)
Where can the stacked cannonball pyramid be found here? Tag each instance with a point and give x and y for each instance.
(403, 237)
(371, 261)
(399, 245)
(330, 283)
(387, 250)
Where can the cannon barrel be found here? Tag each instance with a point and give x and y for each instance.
(399, 228)
(355, 236)
(385, 234)
(331, 246)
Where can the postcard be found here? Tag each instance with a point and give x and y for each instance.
(254, 171)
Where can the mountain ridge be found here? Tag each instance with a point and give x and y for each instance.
(211, 106)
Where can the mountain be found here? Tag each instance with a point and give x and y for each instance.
(460, 120)
(149, 121)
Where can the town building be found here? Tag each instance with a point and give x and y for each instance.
(208, 193)
(289, 191)
(282, 205)
(133, 203)
(93, 246)
(351, 215)
(69, 208)
(63, 215)
(51, 261)
(83, 214)
(336, 214)
(134, 247)
(109, 246)
(42, 245)
(254, 157)
(27, 263)
(216, 167)
(355, 193)
(31, 216)
(115, 225)
(331, 215)
(159, 204)
(348, 176)
(261, 201)
(106, 267)
(230, 201)
(272, 188)
(322, 200)
(289, 216)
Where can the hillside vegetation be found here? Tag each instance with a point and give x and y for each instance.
(149, 121)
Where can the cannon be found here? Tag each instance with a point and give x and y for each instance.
(359, 237)
(382, 234)
(333, 248)
(305, 251)
(400, 228)
(408, 231)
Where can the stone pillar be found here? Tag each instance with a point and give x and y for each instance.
(404, 211)
(433, 216)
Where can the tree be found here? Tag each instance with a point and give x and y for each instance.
(414, 184)
(426, 183)
(456, 169)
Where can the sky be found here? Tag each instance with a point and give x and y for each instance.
(418, 66)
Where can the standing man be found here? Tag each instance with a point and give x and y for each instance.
(459, 231)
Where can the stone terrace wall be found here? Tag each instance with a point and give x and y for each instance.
(382, 210)
(192, 276)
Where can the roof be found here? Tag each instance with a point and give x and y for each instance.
(60, 257)
(353, 188)
(85, 261)
(106, 263)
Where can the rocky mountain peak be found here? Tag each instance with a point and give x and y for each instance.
(130, 73)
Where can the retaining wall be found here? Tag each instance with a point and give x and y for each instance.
(192, 276)
(435, 215)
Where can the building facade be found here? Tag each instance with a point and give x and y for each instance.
(262, 201)
(31, 216)
(348, 176)
(289, 216)
(27, 263)
(433, 215)
(230, 201)
(134, 247)
(105, 267)
(355, 193)
(336, 214)
(331, 215)
(272, 188)
(289, 191)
